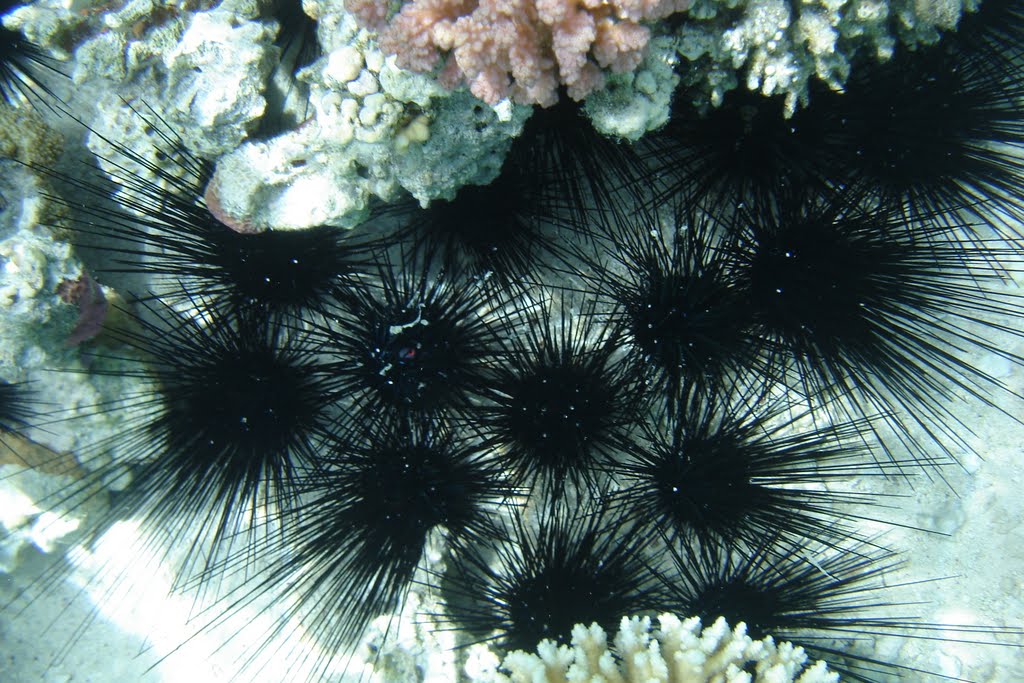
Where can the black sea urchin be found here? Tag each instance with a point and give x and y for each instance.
(563, 400)
(414, 342)
(496, 231)
(352, 551)
(576, 172)
(815, 602)
(739, 150)
(158, 222)
(936, 132)
(865, 303)
(861, 309)
(231, 420)
(561, 569)
(664, 274)
(559, 176)
(725, 470)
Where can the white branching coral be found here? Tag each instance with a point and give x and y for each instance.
(678, 651)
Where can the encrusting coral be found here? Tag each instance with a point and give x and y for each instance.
(523, 48)
(678, 651)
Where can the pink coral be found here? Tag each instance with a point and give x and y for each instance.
(524, 49)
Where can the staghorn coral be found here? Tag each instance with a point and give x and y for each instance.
(525, 49)
(676, 652)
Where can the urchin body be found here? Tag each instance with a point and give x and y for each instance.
(563, 400)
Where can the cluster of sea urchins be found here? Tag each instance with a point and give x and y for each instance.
(622, 380)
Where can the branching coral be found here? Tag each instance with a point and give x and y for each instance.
(676, 652)
(524, 49)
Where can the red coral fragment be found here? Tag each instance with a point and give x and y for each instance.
(93, 307)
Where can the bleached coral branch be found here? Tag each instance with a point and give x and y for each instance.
(678, 651)
(524, 49)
